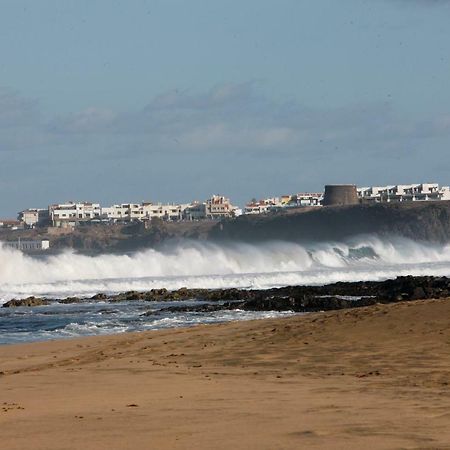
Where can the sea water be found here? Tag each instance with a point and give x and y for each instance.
(191, 264)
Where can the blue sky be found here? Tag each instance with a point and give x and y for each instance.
(175, 100)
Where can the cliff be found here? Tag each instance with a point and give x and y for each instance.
(428, 221)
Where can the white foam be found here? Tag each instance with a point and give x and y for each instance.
(202, 264)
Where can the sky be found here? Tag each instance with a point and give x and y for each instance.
(174, 100)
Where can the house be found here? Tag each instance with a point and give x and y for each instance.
(404, 193)
(195, 211)
(72, 214)
(218, 207)
(11, 224)
(130, 212)
(170, 212)
(34, 217)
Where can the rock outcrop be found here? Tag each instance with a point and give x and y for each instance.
(30, 301)
(290, 298)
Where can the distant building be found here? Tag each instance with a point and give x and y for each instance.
(219, 207)
(34, 217)
(340, 194)
(169, 212)
(404, 193)
(195, 211)
(307, 199)
(11, 224)
(28, 246)
(267, 205)
(72, 214)
(125, 212)
(130, 212)
(258, 207)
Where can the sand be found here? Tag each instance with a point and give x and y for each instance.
(370, 378)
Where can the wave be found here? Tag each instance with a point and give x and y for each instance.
(211, 265)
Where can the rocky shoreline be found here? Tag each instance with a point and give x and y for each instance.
(335, 296)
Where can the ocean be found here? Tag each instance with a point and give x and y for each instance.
(191, 264)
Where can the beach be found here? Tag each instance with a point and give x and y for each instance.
(374, 377)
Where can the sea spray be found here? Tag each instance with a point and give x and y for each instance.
(210, 265)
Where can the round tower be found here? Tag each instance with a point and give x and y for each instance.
(340, 194)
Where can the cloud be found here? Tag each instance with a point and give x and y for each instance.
(231, 117)
(231, 138)
(238, 118)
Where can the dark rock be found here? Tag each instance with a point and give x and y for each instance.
(290, 298)
(99, 296)
(312, 298)
(68, 300)
(30, 301)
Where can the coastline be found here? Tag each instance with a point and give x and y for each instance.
(370, 377)
(420, 221)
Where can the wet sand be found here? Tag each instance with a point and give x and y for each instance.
(368, 378)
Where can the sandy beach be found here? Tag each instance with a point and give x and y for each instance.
(374, 378)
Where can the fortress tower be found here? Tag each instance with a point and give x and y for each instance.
(340, 194)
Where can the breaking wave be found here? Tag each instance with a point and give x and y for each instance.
(210, 265)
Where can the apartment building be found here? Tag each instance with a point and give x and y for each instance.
(263, 206)
(308, 199)
(170, 212)
(72, 214)
(268, 205)
(195, 211)
(130, 212)
(218, 207)
(34, 217)
(258, 207)
(404, 193)
(125, 212)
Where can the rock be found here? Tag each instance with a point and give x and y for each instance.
(68, 300)
(418, 293)
(99, 296)
(310, 298)
(30, 301)
(290, 298)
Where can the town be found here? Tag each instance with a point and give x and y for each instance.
(217, 207)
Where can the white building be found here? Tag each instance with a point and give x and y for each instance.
(115, 213)
(34, 217)
(125, 212)
(28, 246)
(11, 224)
(267, 205)
(308, 199)
(219, 207)
(129, 212)
(404, 193)
(170, 212)
(71, 214)
(258, 207)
